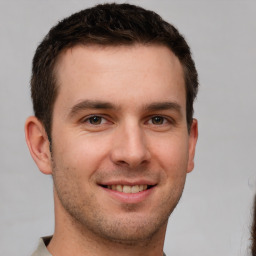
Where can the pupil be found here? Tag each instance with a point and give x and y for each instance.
(157, 120)
(95, 120)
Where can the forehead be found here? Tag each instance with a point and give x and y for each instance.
(119, 73)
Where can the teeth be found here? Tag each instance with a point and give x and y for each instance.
(128, 189)
(141, 187)
(119, 188)
(135, 189)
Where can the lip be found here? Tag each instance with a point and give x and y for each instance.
(129, 198)
(128, 183)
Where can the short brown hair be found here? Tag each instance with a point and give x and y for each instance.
(105, 24)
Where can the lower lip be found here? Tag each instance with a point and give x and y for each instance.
(130, 198)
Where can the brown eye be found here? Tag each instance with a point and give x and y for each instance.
(158, 120)
(95, 120)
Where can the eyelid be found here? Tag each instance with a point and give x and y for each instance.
(86, 119)
(148, 120)
(167, 119)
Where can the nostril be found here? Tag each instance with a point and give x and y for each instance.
(122, 162)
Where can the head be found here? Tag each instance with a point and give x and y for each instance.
(113, 87)
(105, 25)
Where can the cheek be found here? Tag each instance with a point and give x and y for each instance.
(83, 153)
(172, 155)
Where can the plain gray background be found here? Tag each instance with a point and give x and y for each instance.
(214, 214)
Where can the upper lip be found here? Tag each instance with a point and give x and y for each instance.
(128, 182)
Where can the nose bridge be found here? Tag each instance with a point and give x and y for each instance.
(130, 147)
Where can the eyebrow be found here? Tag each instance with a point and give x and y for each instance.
(96, 104)
(90, 104)
(163, 106)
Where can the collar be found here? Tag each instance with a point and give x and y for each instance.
(41, 249)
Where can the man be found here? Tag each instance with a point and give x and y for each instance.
(113, 89)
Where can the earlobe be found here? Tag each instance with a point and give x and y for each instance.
(193, 136)
(38, 144)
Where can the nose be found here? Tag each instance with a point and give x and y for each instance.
(129, 147)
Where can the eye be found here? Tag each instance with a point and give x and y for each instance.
(95, 120)
(157, 120)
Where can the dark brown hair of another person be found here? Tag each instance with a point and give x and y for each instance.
(105, 25)
(253, 231)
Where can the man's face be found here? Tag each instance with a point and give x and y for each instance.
(121, 148)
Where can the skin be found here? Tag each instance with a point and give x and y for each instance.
(119, 118)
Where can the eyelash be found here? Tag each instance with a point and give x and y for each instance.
(164, 119)
(89, 118)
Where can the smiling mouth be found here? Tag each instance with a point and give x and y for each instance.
(128, 189)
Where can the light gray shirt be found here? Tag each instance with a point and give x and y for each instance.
(41, 249)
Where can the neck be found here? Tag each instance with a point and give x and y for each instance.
(72, 238)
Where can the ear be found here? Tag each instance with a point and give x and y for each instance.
(193, 135)
(38, 144)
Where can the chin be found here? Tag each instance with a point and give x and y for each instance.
(132, 231)
(128, 228)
